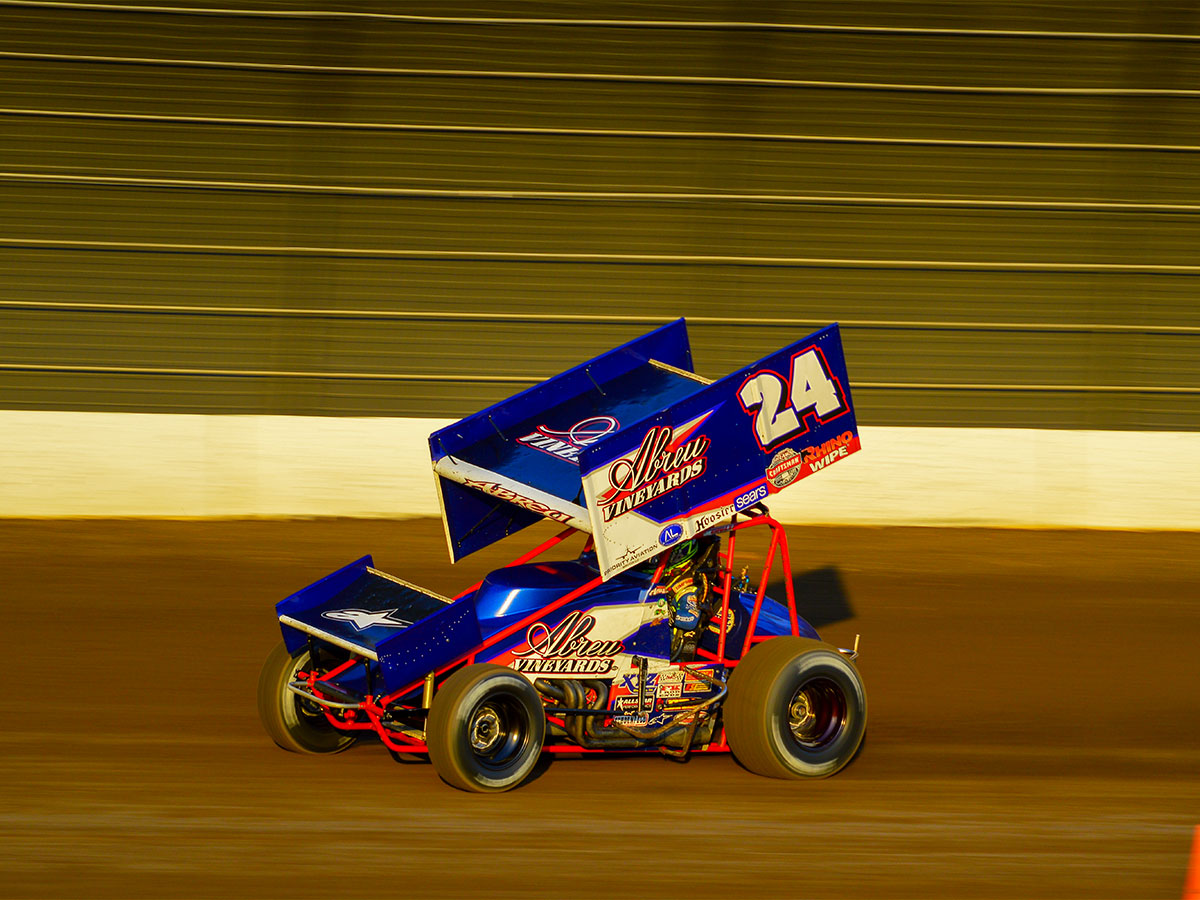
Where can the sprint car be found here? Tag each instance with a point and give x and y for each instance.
(649, 639)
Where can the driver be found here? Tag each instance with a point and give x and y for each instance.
(685, 581)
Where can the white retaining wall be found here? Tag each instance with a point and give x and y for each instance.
(122, 464)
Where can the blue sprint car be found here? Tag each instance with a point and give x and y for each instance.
(649, 637)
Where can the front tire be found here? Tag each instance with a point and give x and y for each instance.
(796, 709)
(292, 722)
(486, 728)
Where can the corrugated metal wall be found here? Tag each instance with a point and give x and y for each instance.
(358, 211)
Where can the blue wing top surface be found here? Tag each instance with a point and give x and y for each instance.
(542, 449)
(637, 450)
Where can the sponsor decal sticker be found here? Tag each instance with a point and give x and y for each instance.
(660, 465)
(670, 534)
(787, 465)
(713, 517)
(505, 493)
(628, 705)
(566, 649)
(635, 555)
(568, 444)
(362, 619)
(829, 452)
(657, 612)
(750, 497)
(784, 468)
(715, 625)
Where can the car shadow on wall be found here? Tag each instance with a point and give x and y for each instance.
(821, 597)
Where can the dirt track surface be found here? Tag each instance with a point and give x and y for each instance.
(1034, 732)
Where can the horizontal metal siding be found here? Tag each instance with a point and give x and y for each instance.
(1005, 223)
(756, 233)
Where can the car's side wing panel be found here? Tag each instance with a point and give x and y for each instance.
(430, 644)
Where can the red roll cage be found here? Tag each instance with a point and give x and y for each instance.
(409, 741)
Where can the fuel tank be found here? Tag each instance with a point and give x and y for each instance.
(517, 591)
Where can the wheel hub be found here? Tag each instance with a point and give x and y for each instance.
(801, 716)
(486, 731)
(817, 713)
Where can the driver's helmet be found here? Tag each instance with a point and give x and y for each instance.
(683, 556)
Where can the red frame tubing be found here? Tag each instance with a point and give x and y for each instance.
(762, 592)
(400, 743)
(407, 745)
(312, 679)
(729, 556)
(778, 541)
(788, 587)
(374, 710)
(501, 635)
(526, 557)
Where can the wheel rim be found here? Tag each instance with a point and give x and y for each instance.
(498, 731)
(817, 713)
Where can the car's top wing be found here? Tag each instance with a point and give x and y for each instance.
(642, 453)
(517, 462)
(723, 449)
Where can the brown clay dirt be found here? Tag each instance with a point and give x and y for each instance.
(1034, 732)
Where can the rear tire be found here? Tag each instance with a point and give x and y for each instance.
(486, 729)
(292, 722)
(796, 709)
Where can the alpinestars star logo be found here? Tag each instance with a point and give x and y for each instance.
(362, 619)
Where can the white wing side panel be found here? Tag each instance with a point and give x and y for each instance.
(514, 492)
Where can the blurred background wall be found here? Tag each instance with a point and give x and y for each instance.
(366, 209)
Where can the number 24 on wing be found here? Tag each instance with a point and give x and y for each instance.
(779, 406)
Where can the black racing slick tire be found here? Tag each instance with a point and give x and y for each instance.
(796, 709)
(486, 728)
(292, 722)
